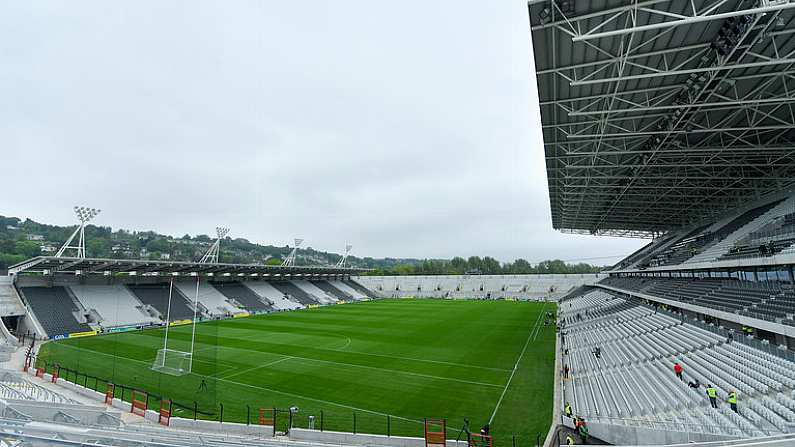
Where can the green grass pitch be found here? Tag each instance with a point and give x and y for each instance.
(408, 359)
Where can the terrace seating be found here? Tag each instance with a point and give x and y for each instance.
(333, 291)
(711, 242)
(115, 304)
(244, 296)
(355, 293)
(748, 221)
(767, 300)
(315, 292)
(14, 386)
(759, 248)
(638, 347)
(294, 292)
(54, 309)
(360, 288)
(209, 297)
(156, 295)
(273, 295)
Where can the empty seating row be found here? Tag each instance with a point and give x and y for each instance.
(295, 293)
(769, 300)
(114, 304)
(167, 300)
(359, 288)
(211, 301)
(632, 376)
(243, 296)
(55, 309)
(333, 291)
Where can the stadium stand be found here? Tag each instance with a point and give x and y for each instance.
(115, 304)
(295, 293)
(316, 292)
(156, 295)
(243, 296)
(360, 288)
(769, 300)
(353, 292)
(210, 299)
(758, 230)
(746, 223)
(632, 381)
(272, 294)
(55, 309)
(333, 291)
(524, 287)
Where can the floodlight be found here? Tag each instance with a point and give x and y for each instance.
(221, 231)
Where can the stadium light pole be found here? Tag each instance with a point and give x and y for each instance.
(291, 257)
(212, 254)
(84, 215)
(341, 262)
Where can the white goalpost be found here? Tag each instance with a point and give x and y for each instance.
(173, 361)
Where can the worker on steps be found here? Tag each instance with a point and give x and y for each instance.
(567, 410)
(712, 393)
(732, 400)
(678, 371)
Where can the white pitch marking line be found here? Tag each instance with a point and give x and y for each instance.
(397, 371)
(516, 365)
(256, 367)
(395, 357)
(347, 343)
(350, 407)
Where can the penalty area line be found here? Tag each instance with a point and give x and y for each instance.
(247, 370)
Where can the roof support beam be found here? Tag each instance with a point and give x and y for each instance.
(685, 21)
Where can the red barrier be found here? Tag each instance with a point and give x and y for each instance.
(109, 391)
(165, 412)
(138, 406)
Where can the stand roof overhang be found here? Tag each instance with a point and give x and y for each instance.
(97, 266)
(659, 113)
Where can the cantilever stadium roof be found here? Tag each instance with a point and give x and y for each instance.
(52, 264)
(659, 113)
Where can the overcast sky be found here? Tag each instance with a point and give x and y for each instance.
(408, 129)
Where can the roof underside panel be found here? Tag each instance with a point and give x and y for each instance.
(660, 113)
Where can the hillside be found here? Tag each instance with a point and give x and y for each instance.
(24, 239)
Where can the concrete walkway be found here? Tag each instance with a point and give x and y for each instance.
(17, 362)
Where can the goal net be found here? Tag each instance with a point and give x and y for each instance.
(173, 362)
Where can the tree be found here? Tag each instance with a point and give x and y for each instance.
(27, 248)
(158, 245)
(458, 265)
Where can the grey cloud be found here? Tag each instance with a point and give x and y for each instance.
(407, 129)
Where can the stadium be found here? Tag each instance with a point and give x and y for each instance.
(665, 120)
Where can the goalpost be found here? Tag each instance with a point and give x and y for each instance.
(174, 361)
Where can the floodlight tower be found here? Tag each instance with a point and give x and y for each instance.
(85, 215)
(290, 261)
(341, 263)
(212, 254)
